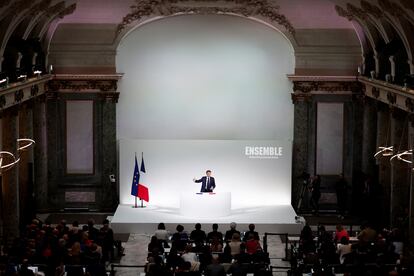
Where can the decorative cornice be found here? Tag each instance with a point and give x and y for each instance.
(375, 92)
(40, 7)
(301, 97)
(355, 11)
(408, 4)
(371, 9)
(109, 97)
(18, 96)
(391, 97)
(390, 94)
(391, 7)
(330, 87)
(409, 103)
(51, 11)
(344, 13)
(246, 8)
(4, 3)
(84, 83)
(67, 11)
(17, 93)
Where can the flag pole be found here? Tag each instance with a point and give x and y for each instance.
(135, 195)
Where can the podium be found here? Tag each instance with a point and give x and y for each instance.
(205, 205)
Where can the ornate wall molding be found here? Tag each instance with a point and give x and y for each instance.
(390, 94)
(84, 83)
(247, 8)
(391, 7)
(409, 4)
(344, 13)
(371, 9)
(17, 93)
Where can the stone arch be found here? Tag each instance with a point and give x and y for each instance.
(262, 11)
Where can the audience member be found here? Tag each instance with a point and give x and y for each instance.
(251, 231)
(198, 236)
(234, 244)
(229, 233)
(341, 232)
(215, 233)
(252, 244)
(343, 249)
(306, 243)
(215, 268)
(180, 238)
(155, 247)
(216, 245)
(162, 234)
(106, 235)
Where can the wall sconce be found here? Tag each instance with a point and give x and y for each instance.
(37, 72)
(22, 78)
(372, 73)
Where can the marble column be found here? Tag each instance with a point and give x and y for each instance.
(411, 183)
(399, 176)
(300, 147)
(40, 154)
(10, 178)
(369, 130)
(109, 153)
(27, 211)
(384, 167)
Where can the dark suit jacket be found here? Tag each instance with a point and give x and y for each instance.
(204, 187)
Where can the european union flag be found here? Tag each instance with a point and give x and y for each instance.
(135, 180)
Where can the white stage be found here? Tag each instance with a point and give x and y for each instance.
(272, 219)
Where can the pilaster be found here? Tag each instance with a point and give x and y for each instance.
(40, 154)
(10, 178)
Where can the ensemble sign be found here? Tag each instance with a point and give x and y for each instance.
(263, 152)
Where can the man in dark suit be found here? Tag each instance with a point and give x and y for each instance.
(208, 183)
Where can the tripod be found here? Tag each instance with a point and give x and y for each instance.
(302, 193)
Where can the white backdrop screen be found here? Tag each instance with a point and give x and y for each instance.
(253, 179)
(205, 77)
(195, 90)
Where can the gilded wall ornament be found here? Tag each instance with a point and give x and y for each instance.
(247, 8)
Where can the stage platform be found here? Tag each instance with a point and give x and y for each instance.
(272, 219)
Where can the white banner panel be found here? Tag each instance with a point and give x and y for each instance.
(329, 138)
(79, 137)
(255, 172)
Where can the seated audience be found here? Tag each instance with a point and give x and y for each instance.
(343, 249)
(215, 268)
(216, 245)
(367, 235)
(106, 237)
(341, 232)
(198, 236)
(306, 243)
(252, 244)
(162, 234)
(229, 233)
(155, 247)
(180, 238)
(234, 244)
(215, 233)
(251, 231)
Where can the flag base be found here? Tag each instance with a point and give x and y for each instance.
(142, 204)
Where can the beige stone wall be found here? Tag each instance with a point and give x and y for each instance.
(91, 48)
